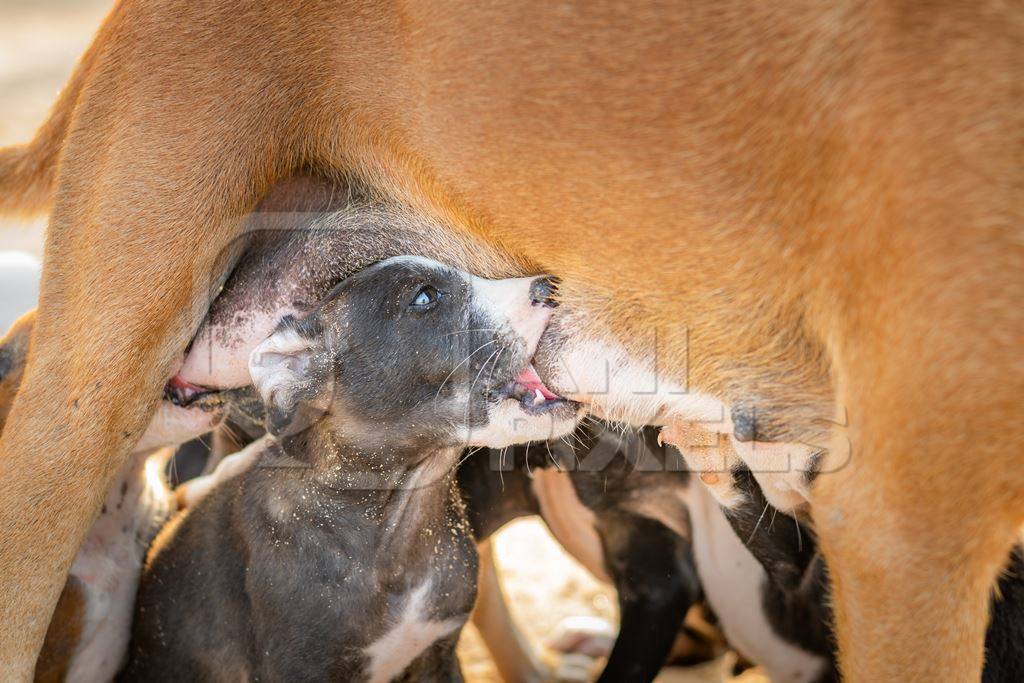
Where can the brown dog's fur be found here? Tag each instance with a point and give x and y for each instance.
(814, 205)
(63, 636)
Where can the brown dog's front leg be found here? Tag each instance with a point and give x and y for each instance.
(911, 584)
(114, 315)
(145, 208)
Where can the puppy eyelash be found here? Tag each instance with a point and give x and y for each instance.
(426, 297)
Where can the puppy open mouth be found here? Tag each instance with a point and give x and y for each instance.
(183, 393)
(533, 396)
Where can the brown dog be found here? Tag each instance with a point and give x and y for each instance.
(812, 208)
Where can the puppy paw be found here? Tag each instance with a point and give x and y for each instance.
(589, 636)
(576, 668)
(191, 492)
(709, 455)
(582, 644)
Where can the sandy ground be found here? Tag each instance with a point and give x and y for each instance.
(39, 43)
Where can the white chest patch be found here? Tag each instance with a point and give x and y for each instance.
(406, 640)
(733, 581)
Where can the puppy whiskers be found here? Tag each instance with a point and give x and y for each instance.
(469, 402)
(479, 329)
(758, 525)
(466, 457)
(494, 366)
(552, 457)
(496, 356)
(461, 363)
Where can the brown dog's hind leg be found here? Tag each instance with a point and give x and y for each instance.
(920, 517)
(147, 200)
(912, 571)
(115, 312)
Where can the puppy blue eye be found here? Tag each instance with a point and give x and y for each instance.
(427, 296)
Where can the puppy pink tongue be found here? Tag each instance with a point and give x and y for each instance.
(531, 381)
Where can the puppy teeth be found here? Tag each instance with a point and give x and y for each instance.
(538, 397)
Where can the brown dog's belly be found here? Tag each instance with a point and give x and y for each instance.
(579, 356)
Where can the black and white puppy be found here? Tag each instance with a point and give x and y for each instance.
(344, 552)
(643, 523)
(612, 501)
(627, 508)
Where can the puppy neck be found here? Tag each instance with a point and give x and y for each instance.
(342, 467)
(371, 509)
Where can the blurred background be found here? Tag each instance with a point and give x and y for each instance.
(40, 40)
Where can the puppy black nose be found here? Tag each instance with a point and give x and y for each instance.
(543, 290)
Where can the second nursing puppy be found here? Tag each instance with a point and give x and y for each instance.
(346, 555)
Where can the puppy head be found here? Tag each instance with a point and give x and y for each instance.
(412, 352)
(13, 355)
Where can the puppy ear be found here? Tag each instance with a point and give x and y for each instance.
(293, 373)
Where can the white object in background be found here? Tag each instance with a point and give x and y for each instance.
(19, 286)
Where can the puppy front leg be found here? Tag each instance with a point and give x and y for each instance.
(656, 579)
(191, 492)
